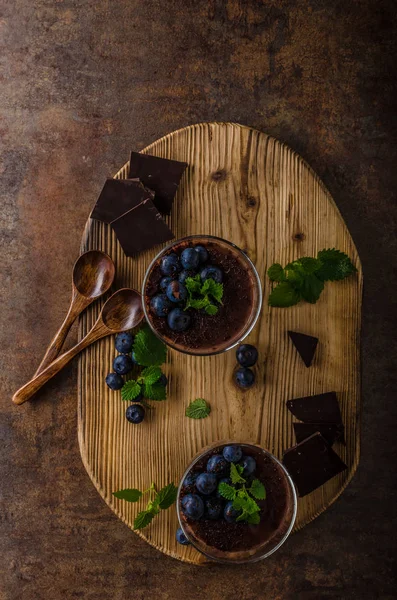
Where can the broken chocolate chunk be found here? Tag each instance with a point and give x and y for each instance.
(305, 344)
(331, 433)
(320, 408)
(141, 228)
(161, 175)
(117, 197)
(312, 463)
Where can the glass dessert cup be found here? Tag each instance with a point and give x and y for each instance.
(252, 542)
(238, 313)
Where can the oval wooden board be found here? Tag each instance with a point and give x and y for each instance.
(251, 189)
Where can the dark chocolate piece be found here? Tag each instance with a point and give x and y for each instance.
(117, 197)
(312, 463)
(321, 408)
(141, 228)
(161, 175)
(331, 433)
(305, 344)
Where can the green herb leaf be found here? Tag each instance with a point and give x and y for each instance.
(336, 265)
(193, 284)
(166, 496)
(254, 519)
(130, 390)
(200, 295)
(276, 272)
(148, 349)
(143, 519)
(309, 264)
(129, 494)
(283, 295)
(211, 309)
(235, 473)
(214, 289)
(157, 391)
(257, 490)
(151, 374)
(227, 491)
(311, 288)
(198, 409)
(197, 303)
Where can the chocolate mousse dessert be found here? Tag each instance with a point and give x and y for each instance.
(236, 503)
(202, 295)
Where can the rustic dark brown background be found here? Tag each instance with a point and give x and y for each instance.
(83, 82)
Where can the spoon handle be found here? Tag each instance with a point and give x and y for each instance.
(77, 305)
(29, 389)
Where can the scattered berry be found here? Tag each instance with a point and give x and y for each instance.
(189, 483)
(190, 258)
(206, 483)
(178, 319)
(160, 305)
(247, 355)
(183, 275)
(192, 506)
(181, 537)
(164, 283)
(249, 465)
(230, 514)
(123, 342)
(203, 254)
(212, 272)
(122, 364)
(218, 465)
(114, 381)
(244, 377)
(213, 508)
(170, 264)
(232, 453)
(176, 292)
(135, 413)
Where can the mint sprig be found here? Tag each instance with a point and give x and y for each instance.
(158, 501)
(243, 497)
(303, 279)
(198, 409)
(203, 296)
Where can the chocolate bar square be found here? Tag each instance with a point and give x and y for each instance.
(117, 197)
(320, 408)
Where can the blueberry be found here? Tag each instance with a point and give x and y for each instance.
(232, 453)
(114, 381)
(176, 292)
(183, 275)
(247, 355)
(230, 514)
(189, 483)
(190, 258)
(213, 508)
(244, 377)
(218, 465)
(163, 379)
(206, 483)
(122, 364)
(160, 305)
(164, 282)
(181, 537)
(192, 506)
(212, 273)
(178, 319)
(135, 413)
(123, 342)
(249, 465)
(170, 264)
(223, 480)
(134, 360)
(203, 254)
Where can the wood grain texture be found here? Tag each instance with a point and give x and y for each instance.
(256, 192)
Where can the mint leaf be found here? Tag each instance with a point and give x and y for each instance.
(198, 409)
(227, 491)
(253, 519)
(214, 289)
(193, 284)
(148, 349)
(129, 494)
(309, 264)
(276, 272)
(130, 390)
(336, 265)
(157, 391)
(257, 490)
(311, 288)
(151, 374)
(200, 294)
(283, 295)
(197, 303)
(211, 309)
(143, 519)
(235, 474)
(166, 496)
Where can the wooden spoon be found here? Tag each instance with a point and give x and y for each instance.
(121, 312)
(93, 274)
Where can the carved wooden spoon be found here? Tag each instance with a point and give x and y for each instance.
(93, 274)
(121, 312)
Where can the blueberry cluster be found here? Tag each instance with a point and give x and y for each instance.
(247, 356)
(168, 303)
(202, 499)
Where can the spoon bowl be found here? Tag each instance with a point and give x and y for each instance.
(93, 274)
(122, 311)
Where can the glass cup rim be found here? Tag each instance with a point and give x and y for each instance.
(294, 500)
(253, 269)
